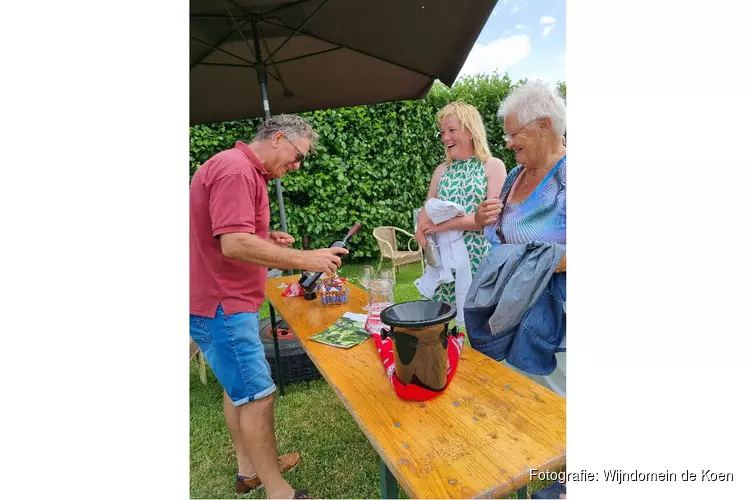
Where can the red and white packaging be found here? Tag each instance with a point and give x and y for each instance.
(293, 290)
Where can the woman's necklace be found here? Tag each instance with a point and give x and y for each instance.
(538, 170)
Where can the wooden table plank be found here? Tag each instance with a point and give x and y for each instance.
(478, 439)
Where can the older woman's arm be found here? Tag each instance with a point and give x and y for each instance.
(495, 172)
(562, 266)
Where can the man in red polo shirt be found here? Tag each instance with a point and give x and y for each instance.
(230, 251)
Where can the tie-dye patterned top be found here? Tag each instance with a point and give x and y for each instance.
(541, 217)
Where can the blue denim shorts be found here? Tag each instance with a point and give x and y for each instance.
(233, 349)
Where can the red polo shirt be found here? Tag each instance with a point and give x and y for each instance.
(228, 194)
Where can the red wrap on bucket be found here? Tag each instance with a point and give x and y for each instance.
(410, 391)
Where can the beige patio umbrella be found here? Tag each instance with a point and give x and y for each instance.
(250, 56)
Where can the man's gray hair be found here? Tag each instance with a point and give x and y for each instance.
(292, 126)
(535, 100)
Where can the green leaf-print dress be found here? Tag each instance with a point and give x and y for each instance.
(464, 182)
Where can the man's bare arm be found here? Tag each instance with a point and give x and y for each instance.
(255, 250)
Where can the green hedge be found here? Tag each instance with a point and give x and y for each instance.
(373, 163)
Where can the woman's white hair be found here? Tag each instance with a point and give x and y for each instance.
(535, 100)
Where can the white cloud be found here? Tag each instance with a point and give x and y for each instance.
(549, 21)
(498, 55)
(516, 5)
(520, 26)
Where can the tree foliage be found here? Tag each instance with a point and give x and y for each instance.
(373, 163)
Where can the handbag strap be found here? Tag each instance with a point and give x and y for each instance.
(499, 231)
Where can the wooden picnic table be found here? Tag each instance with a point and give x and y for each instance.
(479, 439)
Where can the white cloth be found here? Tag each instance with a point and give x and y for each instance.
(453, 257)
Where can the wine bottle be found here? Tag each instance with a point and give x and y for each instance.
(308, 280)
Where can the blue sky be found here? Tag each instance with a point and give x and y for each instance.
(525, 38)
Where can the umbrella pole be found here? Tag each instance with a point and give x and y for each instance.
(263, 81)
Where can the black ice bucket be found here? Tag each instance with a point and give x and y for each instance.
(419, 330)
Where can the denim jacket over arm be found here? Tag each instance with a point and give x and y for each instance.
(515, 308)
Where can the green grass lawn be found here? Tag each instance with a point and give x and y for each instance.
(337, 460)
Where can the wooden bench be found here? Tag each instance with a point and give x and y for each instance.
(479, 439)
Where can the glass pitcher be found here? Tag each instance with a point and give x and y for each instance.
(379, 296)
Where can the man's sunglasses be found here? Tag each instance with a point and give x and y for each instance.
(300, 156)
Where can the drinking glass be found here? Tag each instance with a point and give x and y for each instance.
(387, 274)
(366, 274)
(379, 296)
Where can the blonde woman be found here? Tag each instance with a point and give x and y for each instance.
(468, 176)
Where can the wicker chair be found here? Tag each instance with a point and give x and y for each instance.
(386, 238)
(196, 354)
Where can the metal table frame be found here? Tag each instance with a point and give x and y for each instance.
(277, 356)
